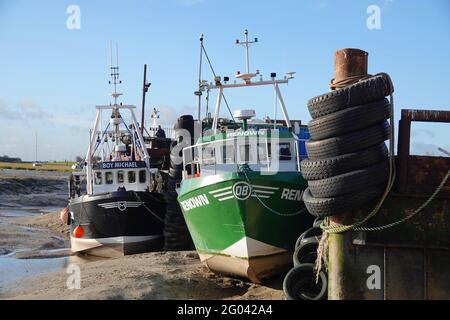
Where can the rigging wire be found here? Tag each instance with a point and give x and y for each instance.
(214, 73)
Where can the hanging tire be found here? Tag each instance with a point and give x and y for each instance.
(176, 233)
(350, 182)
(300, 283)
(306, 252)
(175, 174)
(349, 120)
(311, 232)
(329, 167)
(372, 89)
(325, 207)
(348, 143)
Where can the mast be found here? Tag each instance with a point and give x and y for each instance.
(35, 145)
(246, 45)
(247, 82)
(145, 86)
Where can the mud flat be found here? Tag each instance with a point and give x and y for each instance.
(34, 260)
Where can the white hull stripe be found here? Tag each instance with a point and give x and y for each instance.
(219, 195)
(264, 187)
(263, 192)
(226, 198)
(219, 190)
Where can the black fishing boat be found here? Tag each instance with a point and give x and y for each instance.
(120, 212)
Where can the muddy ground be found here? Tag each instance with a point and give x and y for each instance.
(34, 260)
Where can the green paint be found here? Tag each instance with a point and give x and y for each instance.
(219, 224)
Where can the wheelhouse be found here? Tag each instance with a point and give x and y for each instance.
(264, 150)
(120, 176)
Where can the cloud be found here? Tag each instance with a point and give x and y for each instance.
(426, 149)
(24, 110)
(168, 115)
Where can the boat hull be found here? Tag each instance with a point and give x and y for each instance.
(117, 223)
(245, 225)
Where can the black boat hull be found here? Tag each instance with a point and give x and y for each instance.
(117, 223)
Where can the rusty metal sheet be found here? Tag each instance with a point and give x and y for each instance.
(437, 274)
(404, 274)
(430, 228)
(425, 173)
(426, 115)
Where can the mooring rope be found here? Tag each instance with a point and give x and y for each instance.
(243, 169)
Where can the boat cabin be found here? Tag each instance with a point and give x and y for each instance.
(120, 176)
(262, 150)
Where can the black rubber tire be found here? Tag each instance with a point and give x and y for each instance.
(300, 283)
(348, 143)
(306, 252)
(350, 182)
(325, 207)
(349, 120)
(176, 233)
(175, 174)
(330, 167)
(372, 89)
(311, 232)
(173, 162)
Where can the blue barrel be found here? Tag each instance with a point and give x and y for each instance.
(304, 135)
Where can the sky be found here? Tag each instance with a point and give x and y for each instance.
(52, 76)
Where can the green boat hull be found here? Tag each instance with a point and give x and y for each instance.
(245, 224)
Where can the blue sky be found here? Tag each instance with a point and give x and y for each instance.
(52, 77)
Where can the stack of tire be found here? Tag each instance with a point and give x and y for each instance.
(347, 167)
(176, 233)
(300, 282)
(347, 163)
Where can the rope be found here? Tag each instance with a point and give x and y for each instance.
(214, 73)
(148, 209)
(415, 212)
(244, 168)
(347, 81)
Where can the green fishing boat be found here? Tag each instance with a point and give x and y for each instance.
(241, 193)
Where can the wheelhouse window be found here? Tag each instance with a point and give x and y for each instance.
(228, 154)
(142, 176)
(208, 155)
(132, 176)
(246, 153)
(120, 176)
(98, 178)
(285, 151)
(109, 178)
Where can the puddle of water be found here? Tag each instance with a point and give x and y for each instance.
(12, 270)
(26, 211)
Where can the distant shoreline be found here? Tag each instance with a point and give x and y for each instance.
(43, 166)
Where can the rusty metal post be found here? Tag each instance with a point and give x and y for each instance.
(404, 135)
(350, 65)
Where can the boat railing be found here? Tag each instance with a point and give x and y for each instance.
(228, 155)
